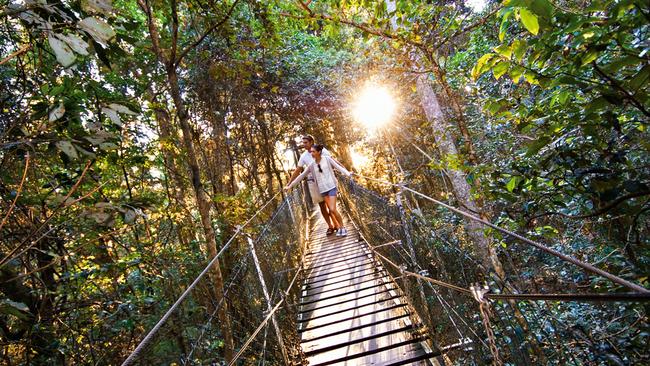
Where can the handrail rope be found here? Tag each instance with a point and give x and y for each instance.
(627, 296)
(540, 246)
(266, 320)
(217, 307)
(404, 258)
(556, 297)
(145, 341)
(440, 299)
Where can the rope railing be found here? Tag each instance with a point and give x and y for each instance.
(522, 324)
(265, 321)
(584, 265)
(245, 276)
(147, 338)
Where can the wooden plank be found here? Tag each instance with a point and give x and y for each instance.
(347, 280)
(404, 353)
(340, 272)
(330, 250)
(346, 301)
(355, 322)
(369, 342)
(345, 253)
(341, 288)
(342, 309)
(341, 261)
(350, 313)
(344, 293)
(315, 319)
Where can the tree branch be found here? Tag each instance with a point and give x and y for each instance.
(468, 28)
(153, 32)
(174, 6)
(206, 33)
(361, 26)
(22, 50)
(20, 189)
(598, 212)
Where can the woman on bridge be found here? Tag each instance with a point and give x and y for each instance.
(322, 169)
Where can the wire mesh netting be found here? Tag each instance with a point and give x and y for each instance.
(261, 270)
(420, 246)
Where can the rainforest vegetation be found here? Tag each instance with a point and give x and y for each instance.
(136, 136)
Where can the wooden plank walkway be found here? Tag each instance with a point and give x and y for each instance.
(350, 313)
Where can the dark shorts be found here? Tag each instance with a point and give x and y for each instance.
(331, 192)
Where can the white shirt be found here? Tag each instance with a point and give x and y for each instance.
(325, 179)
(306, 159)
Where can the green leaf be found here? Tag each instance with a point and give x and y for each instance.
(56, 112)
(97, 6)
(98, 29)
(121, 109)
(17, 309)
(504, 50)
(112, 114)
(640, 79)
(542, 8)
(516, 72)
(535, 146)
(512, 184)
(531, 78)
(75, 43)
(504, 24)
(500, 69)
(519, 48)
(529, 20)
(589, 57)
(479, 68)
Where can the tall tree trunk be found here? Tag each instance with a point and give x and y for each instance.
(204, 205)
(202, 201)
(462, 190)
(452, 97)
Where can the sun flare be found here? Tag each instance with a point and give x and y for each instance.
(374, 106)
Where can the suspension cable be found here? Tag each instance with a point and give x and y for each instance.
(217, 307)
(627, 296)
(266, 320)
(540, 246)
(145, 341)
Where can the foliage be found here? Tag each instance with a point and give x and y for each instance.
(104, 231)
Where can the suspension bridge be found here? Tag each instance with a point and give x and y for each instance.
(383, 295)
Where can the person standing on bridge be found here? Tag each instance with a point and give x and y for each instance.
(305, 160)
(322, 170)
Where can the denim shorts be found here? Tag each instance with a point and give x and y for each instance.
(331, 192)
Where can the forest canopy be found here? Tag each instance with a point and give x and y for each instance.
(137, 136)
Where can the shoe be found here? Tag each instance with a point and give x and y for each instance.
(342, 232)
(338, 232)
(330, 231)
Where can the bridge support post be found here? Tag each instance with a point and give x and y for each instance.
(260, 275)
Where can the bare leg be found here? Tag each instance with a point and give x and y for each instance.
(331, 204)
(326, 215)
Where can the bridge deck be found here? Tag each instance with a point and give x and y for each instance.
(350, 313)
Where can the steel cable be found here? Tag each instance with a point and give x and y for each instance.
(540, 246)
(265, 321)
(145, 341)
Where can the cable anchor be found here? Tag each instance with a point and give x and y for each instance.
(479, 292)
